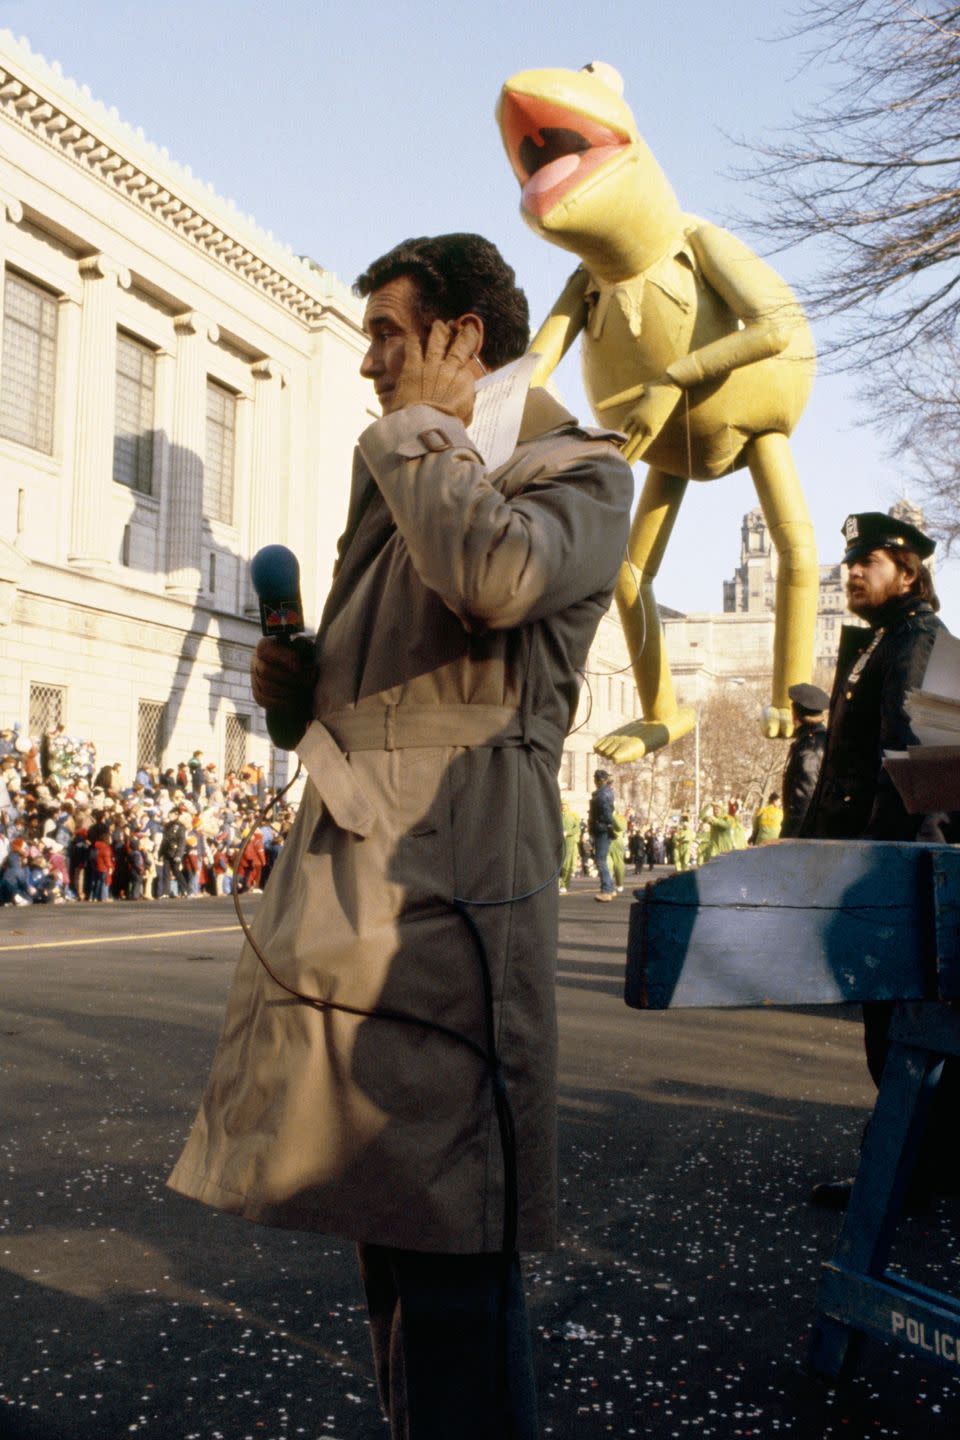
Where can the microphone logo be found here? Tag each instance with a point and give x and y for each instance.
(280, 617)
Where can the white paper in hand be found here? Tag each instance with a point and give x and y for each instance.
(498, 410)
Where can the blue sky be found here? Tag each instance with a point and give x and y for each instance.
(344, 129)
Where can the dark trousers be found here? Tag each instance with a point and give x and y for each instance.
(451, 1345)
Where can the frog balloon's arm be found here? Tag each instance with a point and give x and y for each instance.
(759, 298)
(771, 322)
(561, 327)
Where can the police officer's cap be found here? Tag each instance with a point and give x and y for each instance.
(601, 775)
(809, 697)
(875, 531)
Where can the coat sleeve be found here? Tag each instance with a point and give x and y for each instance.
(497, 562)
(888, 820)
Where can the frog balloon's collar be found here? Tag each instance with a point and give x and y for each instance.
(554, 147)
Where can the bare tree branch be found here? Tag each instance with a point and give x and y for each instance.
(871, 176)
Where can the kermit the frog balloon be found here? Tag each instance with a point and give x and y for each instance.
(691, 345)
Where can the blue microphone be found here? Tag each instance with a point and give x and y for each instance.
(275, 573)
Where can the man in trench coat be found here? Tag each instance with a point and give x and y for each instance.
(443, 683)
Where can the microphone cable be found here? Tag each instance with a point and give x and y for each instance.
(488, 1053)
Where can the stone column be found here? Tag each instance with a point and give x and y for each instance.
(188, 441)
(96, 401)
(264, 467)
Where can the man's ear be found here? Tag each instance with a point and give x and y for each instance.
(473, 319)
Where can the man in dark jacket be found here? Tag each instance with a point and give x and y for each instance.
(890, 587)
(170, 854)
(600, 823)
(802, 769)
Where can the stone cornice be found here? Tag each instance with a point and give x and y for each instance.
(37, 97)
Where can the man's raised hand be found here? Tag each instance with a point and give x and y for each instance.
(438, 373)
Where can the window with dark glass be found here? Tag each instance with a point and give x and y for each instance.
(219, 460)
(134, 423)
(28, 366)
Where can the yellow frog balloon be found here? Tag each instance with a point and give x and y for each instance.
(691, 345)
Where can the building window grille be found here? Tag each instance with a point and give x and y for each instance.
(133, 432)
(151, 729)
(235, 743)
(29, 363)
(46, 707)
(219, 462)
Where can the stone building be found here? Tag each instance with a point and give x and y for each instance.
(176, 389)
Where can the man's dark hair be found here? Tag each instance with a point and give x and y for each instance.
(454, 275)
(918, 573)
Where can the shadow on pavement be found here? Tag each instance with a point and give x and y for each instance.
(679, 1304)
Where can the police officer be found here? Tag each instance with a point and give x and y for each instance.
(802, 770)
(890, 587)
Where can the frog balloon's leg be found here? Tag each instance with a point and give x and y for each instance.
(663, 720)
(561, 327)
(798, 578)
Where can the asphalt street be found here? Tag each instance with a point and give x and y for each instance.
(681, 1300)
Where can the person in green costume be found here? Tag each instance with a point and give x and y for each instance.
(618, 851)
(683, 843)
(767, 822)
(737, 833)
(571, 837)
(720, 833)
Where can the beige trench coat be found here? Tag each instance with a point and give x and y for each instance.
(462, 606)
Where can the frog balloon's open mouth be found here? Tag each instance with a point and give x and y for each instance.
(553, 149)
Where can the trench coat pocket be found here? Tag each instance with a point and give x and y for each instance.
(422, 862)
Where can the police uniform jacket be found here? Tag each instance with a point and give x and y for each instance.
(855, 796)
(800, 776)
(462, 607)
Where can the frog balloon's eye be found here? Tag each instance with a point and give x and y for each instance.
(606, 73)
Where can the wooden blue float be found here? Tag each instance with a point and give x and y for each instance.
(822, 922)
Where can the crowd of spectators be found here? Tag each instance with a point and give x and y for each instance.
(70, 831)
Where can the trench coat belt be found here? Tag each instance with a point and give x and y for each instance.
(418, 727)
(328, 740)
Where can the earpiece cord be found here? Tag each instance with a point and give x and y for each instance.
(634, 655)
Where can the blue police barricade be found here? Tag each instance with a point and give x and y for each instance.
(823, 922)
